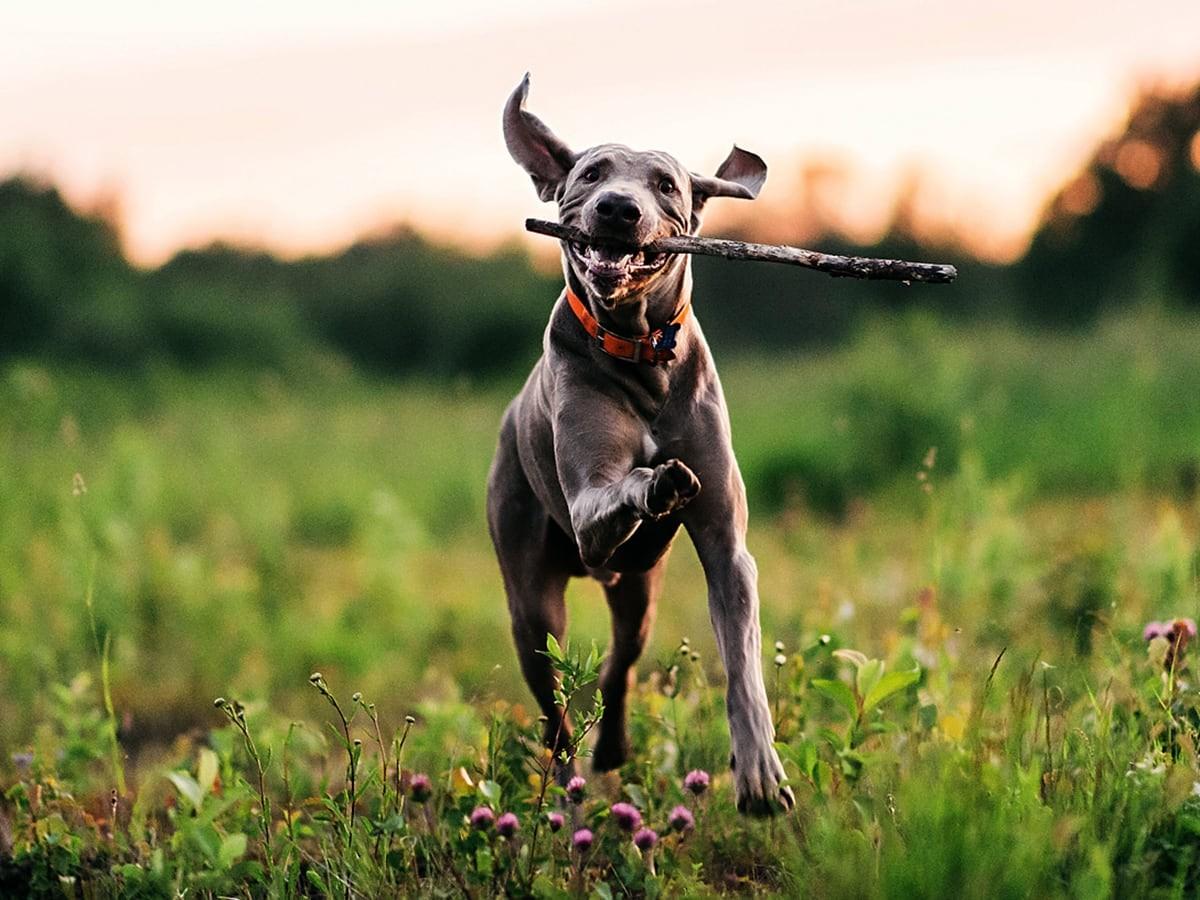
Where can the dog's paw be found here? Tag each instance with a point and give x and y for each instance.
(758, 782)
(672, 486)
(610, 752)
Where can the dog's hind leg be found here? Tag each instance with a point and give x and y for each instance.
(536, 560)
(632, 601)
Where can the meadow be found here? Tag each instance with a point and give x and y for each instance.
(961, 530)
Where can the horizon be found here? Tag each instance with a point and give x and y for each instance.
(298, 130)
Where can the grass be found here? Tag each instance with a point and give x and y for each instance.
(178, 539)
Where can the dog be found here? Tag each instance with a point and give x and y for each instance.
(620, 436)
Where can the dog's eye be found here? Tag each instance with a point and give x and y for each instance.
(592, 174)
(667, 186)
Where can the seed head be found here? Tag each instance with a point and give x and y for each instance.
(779, 646)
(409, 720)
(695, 656)
(219, 702)
(780, 660)
(356, 696)
(316, 677)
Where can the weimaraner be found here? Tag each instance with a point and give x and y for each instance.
(602, 454)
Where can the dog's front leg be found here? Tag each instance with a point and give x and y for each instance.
(607, 495)
(606, 512)
(718, 533)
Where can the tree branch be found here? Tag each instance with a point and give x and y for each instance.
(829, 263)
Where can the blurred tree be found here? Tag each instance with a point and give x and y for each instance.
(1127, 227)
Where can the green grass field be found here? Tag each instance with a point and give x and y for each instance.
(175, 538)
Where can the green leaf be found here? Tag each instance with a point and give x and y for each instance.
(206, 771)
(823, 776)
(602, 890)
(188, 788)
(553, 650)
(851, 656)
(807, 756)
(490, 791)
(837, 691)
(483, 861)
(889, 684)
(869, 674)
(231, 851)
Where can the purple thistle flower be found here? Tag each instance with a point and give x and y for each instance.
(626, 816)
(576, 788)
(556, 821)
(1189, 625)
(508, 824)
(696, 781)
(420, 787)
(582, 839)
(645, 839)
(1155, 629)
(482, 818)
(681, 819)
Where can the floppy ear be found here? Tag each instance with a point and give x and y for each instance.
(534, 146)
(741, 175)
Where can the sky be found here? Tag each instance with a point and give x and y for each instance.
(298, 126)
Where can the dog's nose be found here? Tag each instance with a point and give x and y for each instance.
(617, 209)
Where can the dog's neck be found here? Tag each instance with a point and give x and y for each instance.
(645, 311)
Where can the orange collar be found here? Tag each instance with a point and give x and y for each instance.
(653, 349)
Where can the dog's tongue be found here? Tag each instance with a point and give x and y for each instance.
(612, 254)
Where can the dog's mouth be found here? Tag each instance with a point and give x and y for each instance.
(615, 264)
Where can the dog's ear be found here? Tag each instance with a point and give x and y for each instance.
(741, 175)
(534, 146)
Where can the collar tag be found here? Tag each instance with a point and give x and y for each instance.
(664, 338)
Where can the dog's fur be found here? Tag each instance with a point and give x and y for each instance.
(601, 460)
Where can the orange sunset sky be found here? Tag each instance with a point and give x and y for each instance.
(297, 126)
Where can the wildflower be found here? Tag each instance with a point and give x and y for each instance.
(482, 818)
(421, 787)
(780, 660)
(1175, 635)
(645, 839)
(582, 840)
(696, 781)
(1155, 629)
(508, 825)
(556, 821)
(576, 789)
(779, 646)
(626, 816)
(681, 819)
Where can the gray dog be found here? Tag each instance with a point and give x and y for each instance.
(603, 453)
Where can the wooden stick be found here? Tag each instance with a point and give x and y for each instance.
(829, 263)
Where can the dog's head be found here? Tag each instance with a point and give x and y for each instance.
(622, 196)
